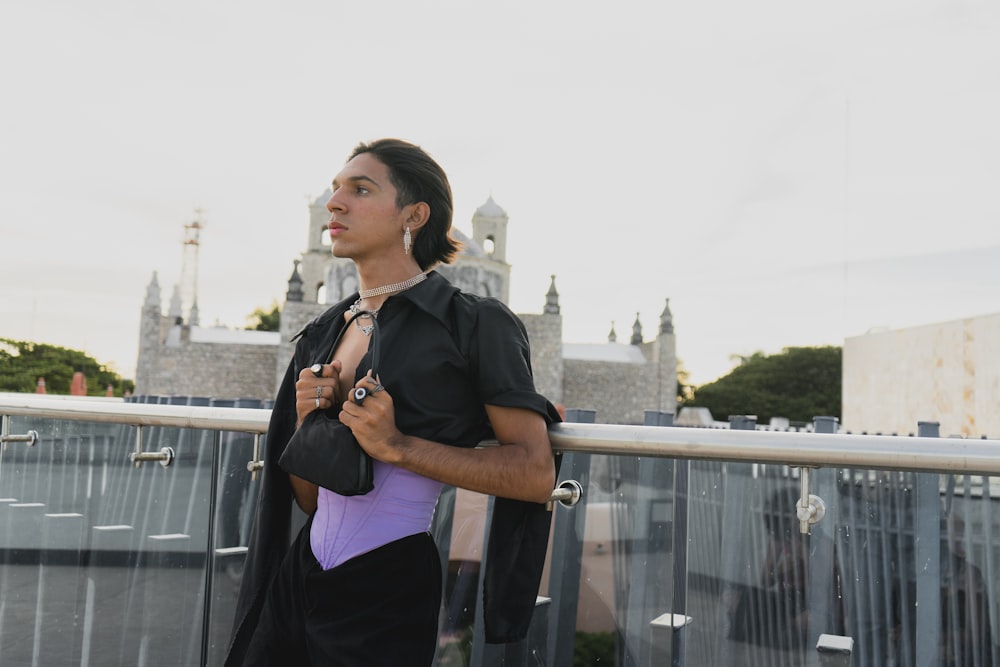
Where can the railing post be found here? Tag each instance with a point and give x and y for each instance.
(927, 551)
(682, 472)
(734, 542)
(822, 594)
(567, 550)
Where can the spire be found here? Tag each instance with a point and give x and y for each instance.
(175, 306)
(666, 320)
(294, 292)
(194, 319)
(153, 293)
(552, 298)
(636, 331)
(612, 336)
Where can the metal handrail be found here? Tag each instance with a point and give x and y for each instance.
(881, 452)
(814, 450)
(244, 420)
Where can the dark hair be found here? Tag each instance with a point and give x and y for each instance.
(418, 178)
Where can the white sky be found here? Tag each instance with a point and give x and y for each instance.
(786, 173)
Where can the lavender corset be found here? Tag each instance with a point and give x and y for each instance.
(401, 504)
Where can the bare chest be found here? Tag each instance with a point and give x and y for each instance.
(350, 350)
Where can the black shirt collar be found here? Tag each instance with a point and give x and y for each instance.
(433, 296)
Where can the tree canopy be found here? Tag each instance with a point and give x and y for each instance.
(799, 383)
(264, 320)
(22, 363)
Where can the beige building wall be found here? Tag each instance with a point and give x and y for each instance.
(947, 372)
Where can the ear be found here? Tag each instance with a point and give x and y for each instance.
(416, 216)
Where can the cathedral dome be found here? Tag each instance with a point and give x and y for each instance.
(491, 210)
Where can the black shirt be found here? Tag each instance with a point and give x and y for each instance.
(444, 356)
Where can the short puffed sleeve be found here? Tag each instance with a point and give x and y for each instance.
(500, 354)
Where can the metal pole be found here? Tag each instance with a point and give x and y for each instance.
(927, 551)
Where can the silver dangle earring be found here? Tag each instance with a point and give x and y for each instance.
(407, 241)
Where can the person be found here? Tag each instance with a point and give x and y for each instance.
(361, 583)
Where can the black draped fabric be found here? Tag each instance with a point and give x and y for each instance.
(444, 356)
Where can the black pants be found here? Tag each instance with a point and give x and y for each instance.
(380, 608)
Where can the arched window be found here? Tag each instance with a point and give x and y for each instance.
(489, 246)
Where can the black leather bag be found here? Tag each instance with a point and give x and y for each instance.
(324, 451)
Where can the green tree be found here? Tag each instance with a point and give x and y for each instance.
(22, 363)
(798, 383)
(265, 320)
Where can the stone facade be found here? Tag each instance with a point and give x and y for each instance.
(178, 359)
(947, 372)
(620, 382)
(545, 337)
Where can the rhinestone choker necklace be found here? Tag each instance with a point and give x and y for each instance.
(394, 287)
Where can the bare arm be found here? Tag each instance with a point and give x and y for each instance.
(306, 494)
(521, 467)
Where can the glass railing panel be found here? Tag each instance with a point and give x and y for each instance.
(757, 593)
(235, 506)
(103, 562)
(755, 590)
(459, 531)
(612, 562)
(664, 562)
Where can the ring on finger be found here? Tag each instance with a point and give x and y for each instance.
(319, 392)
(377, 388)
(317, 370)
(317, 402)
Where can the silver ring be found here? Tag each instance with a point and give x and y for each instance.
(319, 392)
(317, 402)
(377, 388)
(317, 370)
(359, 395)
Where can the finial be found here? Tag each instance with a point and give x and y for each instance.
(294, 292)
(666, 320)
(636, 331)
(612, 336)
(552, 298)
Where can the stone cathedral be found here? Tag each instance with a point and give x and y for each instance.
(178, 357)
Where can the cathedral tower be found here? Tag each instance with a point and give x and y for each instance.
(489, 230)
(313, 267)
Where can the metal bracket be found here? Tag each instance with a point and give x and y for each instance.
(164, 457)
(31, 437)
(255, 465)
(810, 508)
(567, 494)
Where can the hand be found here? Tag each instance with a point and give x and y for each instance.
(317, 392)
(373, 420)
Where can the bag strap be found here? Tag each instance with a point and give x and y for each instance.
(375, 338)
